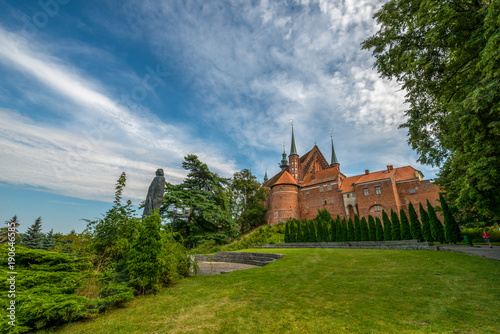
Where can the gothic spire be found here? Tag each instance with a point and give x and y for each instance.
(293, 150)
(334, 156)
(265, 176)
(284, 162)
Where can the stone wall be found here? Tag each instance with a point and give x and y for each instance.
(399, 244)
(255, 259)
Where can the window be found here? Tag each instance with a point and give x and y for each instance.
(347, 196)
(329, 187)
(321, 189)
(377, 190)
(331, 200)
(377, 208)
(324, 201)
(366, 192)
(281, 189)
(412, 191)
(307, 192)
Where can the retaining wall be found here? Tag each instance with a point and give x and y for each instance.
(256, 259)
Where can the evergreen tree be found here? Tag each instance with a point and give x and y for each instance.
(415, 228)
(313, 231)
(333, 230)
(338, 229)
(426, 225)
(33, 237)
(387, 226)
(287, 231)
(396, 226)
(350, 230)
(364, 230)
(379, 230)
(143, 261)
(357, 229)
(436, 226)
(405, 226)
(451, 230)
(49, 241)
(344, 230)
(372, 234)
(11, 228)
(319, 230)
(326, 229)
(300, 231)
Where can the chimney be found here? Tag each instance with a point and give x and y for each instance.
(367, 171)
(389, 168)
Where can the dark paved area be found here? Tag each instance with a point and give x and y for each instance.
(476, 250)
(215, 268)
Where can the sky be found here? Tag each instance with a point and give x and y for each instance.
(92, 89)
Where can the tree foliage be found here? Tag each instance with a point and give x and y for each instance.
(372, 228)
(33, 238)
(379, 230)
(451, 230)
(396, 226)
(415, 227)
(436, 226)
(446, 54)
(405, 225)
(426, 225)
(387, 226)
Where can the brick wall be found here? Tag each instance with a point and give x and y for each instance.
(311, 200)
(283, 203)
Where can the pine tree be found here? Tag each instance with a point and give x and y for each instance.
(415, 228)
(372, 234)
(405, 226)
(350, 230)
(357, 229)
(364, 230)
(379, 230)
(451, 230)
(312, 230)
(11, 228)
(293, 231)
(333, 230)
(49, 241)
(326, 229)
(33, 237)
(426, 225)
(436, 226)
(344, 230)
(396, 226)
(387, 226)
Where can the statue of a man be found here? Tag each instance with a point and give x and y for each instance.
(155, 193)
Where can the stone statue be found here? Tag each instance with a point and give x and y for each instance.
(155, 194)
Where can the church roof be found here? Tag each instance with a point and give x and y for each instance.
(400, 174)
(326, 175)
(273, 180)
(286, 178)
(348, 183)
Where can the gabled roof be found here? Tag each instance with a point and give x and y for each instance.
(376, 176)
(400, 174)
(273, 180)
(326, 175)
(286, 178)
(407, 173)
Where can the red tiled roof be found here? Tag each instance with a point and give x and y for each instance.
(329, 174)
(286, 178)
(272, 180)
(406, 173)
(348, 183)
(376, 176)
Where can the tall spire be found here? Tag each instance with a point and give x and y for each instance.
(265, 176)
(293, 150)
(334, 156)
(284, 162)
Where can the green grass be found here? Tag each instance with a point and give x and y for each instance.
(323, 291)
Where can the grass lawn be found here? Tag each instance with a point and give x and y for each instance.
(323, 291)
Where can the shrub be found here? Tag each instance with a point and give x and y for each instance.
(387, 226)
(405, 226)
(372, 234)
(436, 226)
(415, 228)
(357, 229)
(426, 225)
(396, 226)
(451, 230)
(379, 230)
(350, 230)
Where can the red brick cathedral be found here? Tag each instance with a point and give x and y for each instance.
(309, 183)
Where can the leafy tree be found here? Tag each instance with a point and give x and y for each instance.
(357, 229)
(144, 258)
(11, 228)
(113, 235)
(350, 230)
(246, 199)
(446, 54)
(405, 226)
(426, 225)
(372, 234)
(451, 230)
(436, 226)
(416, 230)
(205, 200)
(379, 230)
(387, 226)
(33, 237)
(364, 230)
(396, 226)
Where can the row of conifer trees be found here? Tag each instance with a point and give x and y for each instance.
(403, 227)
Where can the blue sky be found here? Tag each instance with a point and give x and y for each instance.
(91, 89)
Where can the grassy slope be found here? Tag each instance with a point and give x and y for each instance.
(324, 291)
